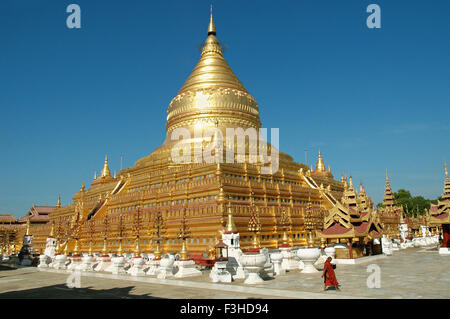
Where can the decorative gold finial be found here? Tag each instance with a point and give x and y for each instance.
(387, 177)
(351, 182)
(320, 165)
(445, 168)
(184, 255)
(211, 27)
(95, 175)
(361, 188)
(52, 231)
(231, 226)
(82, 187)
(28, 227)
(58, 204)
(105, 170)
(310, 240)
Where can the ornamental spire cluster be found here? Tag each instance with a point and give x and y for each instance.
(105, 171)
(388, 200)
(446, 192)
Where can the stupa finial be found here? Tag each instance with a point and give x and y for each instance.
(320, 165)
(231, 226)
(211, 27)
(58, 204)
(105, 170)
(445, 168)
(28, 227)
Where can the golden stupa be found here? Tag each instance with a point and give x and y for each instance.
(206, 193)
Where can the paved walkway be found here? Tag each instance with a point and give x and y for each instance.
(410, 273)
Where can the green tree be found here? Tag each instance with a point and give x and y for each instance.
(412, 205)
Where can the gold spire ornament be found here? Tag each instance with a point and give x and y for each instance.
(120, 233)
(254, 226)
(52, 231)
(183, 234)
(320, 165)
(119, 250)
(284, 223)
(184, 251)
(104, 250)
(231, 226)
(28, 227)
(323, 242)
(58, 204)
(158, 232)
(75, 250)
(211, 26)
(310, 240)
(105, 171)
(137, 250)
(66, 249)
(105, 236)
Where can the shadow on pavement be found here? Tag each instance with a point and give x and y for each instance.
(63, 292)
(3, 267)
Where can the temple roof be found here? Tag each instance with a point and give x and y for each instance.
(439, 214)
(388, 200)
(7, 218)
(38, 214)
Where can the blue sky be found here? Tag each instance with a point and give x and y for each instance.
(370, 99)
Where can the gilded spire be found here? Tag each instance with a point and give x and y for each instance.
(52, 231)
(211, 27)
(320, 165)
(446, 193)
(231, 226)
(105, 170)
(362, 191)
(82, 186)
(58, 204)
(95, 175)
(351, 182)
(212, 70)
(388, 200)
(28, 227)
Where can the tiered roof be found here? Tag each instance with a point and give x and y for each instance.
(348, 219)
(388, 200)
(38, 214)
(440, 213)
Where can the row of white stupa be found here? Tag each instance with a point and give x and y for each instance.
(253, 267)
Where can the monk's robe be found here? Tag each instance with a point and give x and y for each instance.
(328, 275)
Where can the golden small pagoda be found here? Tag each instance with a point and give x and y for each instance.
(390, 214)
(352, 223)
(440, 213)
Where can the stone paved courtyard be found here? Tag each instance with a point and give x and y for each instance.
(410, 273)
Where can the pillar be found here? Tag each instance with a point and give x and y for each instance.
(350, 246)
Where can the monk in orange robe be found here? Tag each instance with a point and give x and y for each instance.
(329, 277)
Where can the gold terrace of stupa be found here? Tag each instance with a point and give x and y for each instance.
(115, 210)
